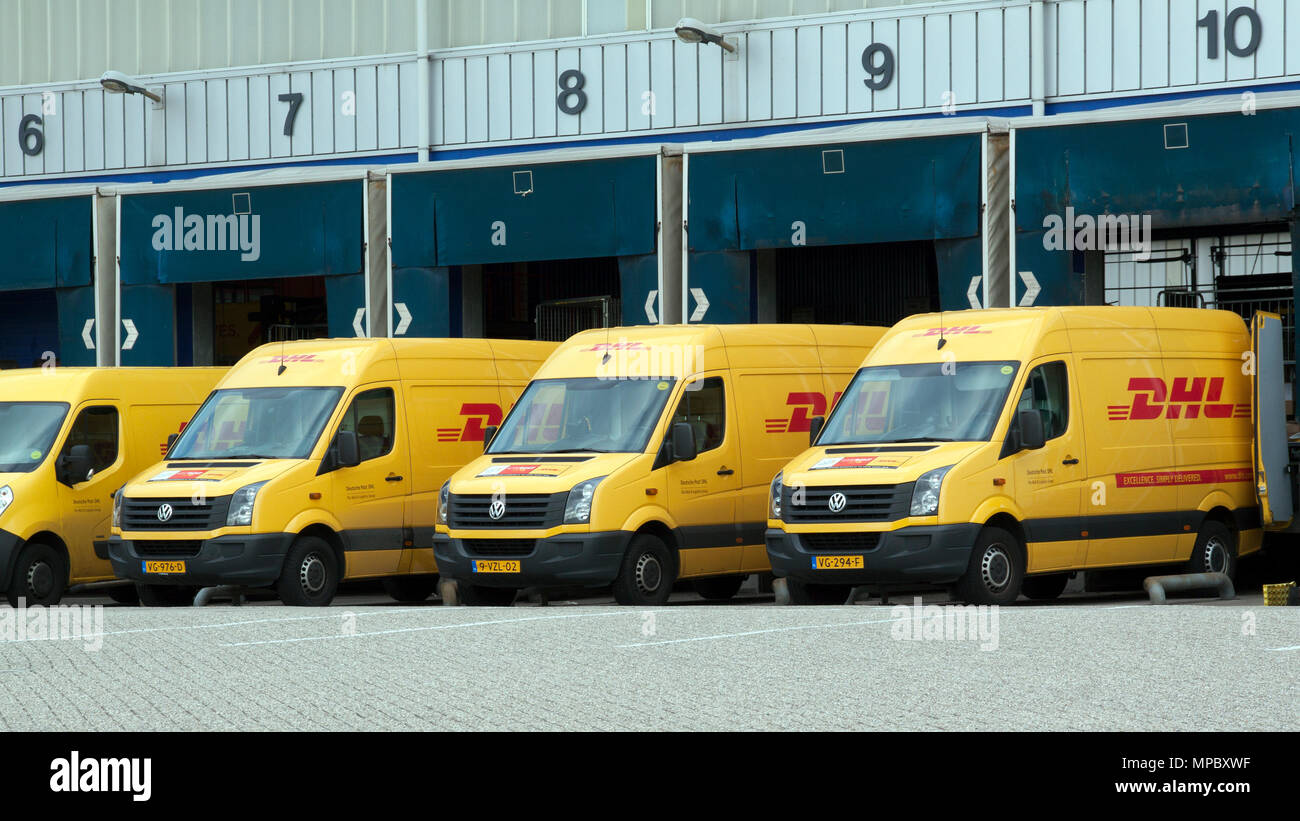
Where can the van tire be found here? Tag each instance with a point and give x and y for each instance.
(803, 593)
(165, 595)
(996, 569)
(474, 595)
(1044, 588)
(40, 577)
(410, 589)
(718, 588)
(647, 574)
(1215, 551)
(310, 577)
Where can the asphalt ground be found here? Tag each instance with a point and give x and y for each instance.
(1088, 661)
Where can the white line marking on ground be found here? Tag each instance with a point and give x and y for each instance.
(436, 627)
(1282, 649)
(761, 632)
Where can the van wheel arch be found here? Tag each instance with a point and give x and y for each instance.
(333, 540)
(1012, 525)
(666, 535)
(52, 541)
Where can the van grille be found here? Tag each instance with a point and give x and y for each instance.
(180, 550)
(523, 511)
(142, 514)
(826, 542)
(499, 547)
(865, 503)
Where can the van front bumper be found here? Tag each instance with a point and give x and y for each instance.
(929, 555)
(248, 561)
(10, 545)
(567, 560)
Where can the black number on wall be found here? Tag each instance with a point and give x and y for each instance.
(30, 138)
(882, 69)
(295, 102)
(1210, 22)
(572, 83)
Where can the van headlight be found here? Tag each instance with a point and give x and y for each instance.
(6, 498)
(577, 511)
(241, 506)
(444, 500)
(774, 496)
(925, 496)
(117, 506)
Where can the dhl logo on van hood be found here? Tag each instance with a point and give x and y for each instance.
(538, 473)
(873, 464)
(216, 478)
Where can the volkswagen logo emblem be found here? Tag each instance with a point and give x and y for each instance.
(837, 502)
(165, 513)
(497, 509)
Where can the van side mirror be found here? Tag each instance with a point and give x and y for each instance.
(75, 467)
(171, 439)
(489, 433)
(683, 438)
(1032, 436)
(347, 449)
(815, 426)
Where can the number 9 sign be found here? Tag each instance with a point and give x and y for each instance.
(878, 60)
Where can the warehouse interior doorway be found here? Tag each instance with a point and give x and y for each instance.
(871, 284)
(238, 316)
(550, 300)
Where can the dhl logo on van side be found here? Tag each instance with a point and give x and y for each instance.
(806, 406)
(1153, 398)
(480, 418)
(954, 331)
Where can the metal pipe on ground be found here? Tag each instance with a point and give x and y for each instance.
(1158, 587)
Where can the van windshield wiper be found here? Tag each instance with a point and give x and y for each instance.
(914, 440)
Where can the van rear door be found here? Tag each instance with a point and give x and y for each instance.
(1268, 413)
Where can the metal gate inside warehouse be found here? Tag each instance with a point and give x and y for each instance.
(874, 284)
(1243, 273)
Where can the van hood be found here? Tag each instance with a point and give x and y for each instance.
(539, 473)
(216, 478)
(873, 464)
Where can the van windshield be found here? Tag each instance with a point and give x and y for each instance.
(27, 431)
(939, 402)
(583, 415)
(257, 423)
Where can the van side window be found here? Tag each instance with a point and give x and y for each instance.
(1047, 391)
(372, 418)
(98, 428)
(704, 408)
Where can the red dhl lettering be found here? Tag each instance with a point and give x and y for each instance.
(956, 330)
(806, 406)
(1187, 398)
(618, 346)
(479, 417)
(291, 358)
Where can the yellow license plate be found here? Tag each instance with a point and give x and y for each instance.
(838, 563)
(481, 566)
(165, 568)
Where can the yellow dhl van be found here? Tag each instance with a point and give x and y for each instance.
(69, 438)
(314, 462)
(639, 456)
(1000, 450)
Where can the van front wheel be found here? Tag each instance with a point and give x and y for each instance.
(718, 588)
(996, 569)
(310, 577)
(1044, 588)
(410, 589)
(1215, 551)
(646, 576)
(40, 577)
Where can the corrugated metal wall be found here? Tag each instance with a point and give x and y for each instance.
(43, 41)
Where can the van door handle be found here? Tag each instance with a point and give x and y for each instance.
(1070, 462)
(394, 478)
(726, 472)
